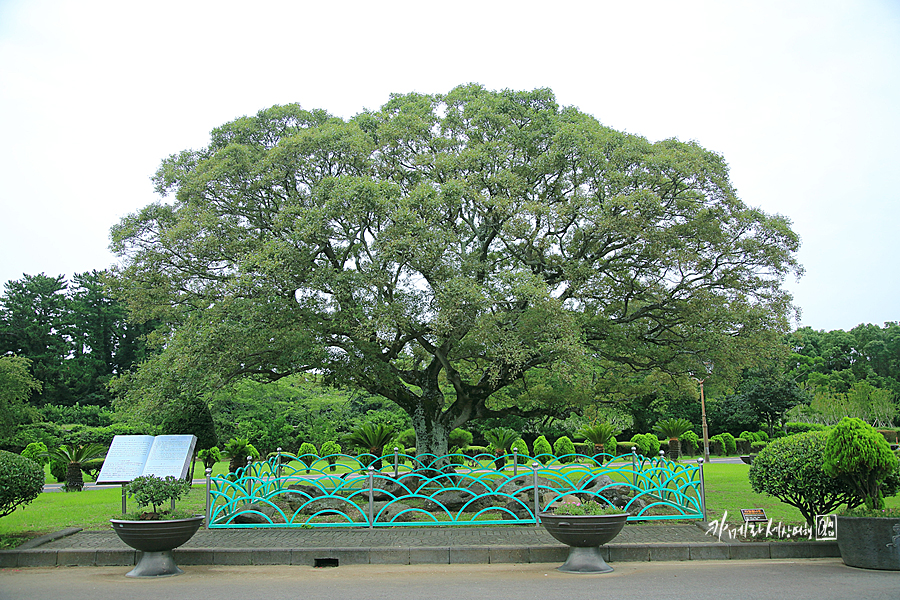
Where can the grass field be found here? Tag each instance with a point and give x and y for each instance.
(727, 490)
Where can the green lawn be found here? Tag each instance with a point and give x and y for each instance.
(727, 489)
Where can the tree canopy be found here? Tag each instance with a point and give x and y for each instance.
(438, 249)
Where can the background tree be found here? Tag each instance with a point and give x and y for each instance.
(435, 251)
(35, 324)
(16, 385)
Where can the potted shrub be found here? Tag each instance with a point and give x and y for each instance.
(858, 456)
(584, 528)
(156, 532)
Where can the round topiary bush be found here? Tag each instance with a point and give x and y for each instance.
(647, 444)
(38, 452)
(543, 450)
(21, 481)
(522, 449)
(564, 448)
(860, 457)
(792, 469)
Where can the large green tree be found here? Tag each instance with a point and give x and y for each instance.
(437, 249)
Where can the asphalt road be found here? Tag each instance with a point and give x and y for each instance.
(815, 579)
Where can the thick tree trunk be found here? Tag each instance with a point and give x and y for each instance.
(674, 449)
(432, 433)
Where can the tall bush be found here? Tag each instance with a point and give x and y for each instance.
(543, 450)
(564, 449)
(21, 481)
(307, 454)
(522, 448)
(860, 457)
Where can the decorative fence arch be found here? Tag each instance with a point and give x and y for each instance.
(402, 490)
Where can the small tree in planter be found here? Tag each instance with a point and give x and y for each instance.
(152, 534)
(148, 490)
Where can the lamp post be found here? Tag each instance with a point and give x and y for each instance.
(709, 368)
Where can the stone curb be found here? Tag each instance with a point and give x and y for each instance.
(50, 537)
(414, 555)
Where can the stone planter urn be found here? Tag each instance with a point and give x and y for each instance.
(156, 540)
(869, 542)
(584, 534)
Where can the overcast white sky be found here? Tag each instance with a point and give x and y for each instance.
(801, 97)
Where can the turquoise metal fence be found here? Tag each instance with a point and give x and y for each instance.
(402, 490)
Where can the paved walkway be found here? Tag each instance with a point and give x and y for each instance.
(406, 545)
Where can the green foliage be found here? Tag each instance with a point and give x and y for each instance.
(793, 427)
(522, 448)
(861, 458)
(307, 453)
(792, 469)
(756, 447)
(148, 490)
(371, 438)
(407, 437)
(600, 435)
(330, 448)
(564, 449)
(672, 429)
(543, 450)
(501, 440)
(590, 508)
(209, 456)
(16, 387)
(690, 443)
(37, 451)
(472, 245)
(729, 446)
(237, 450)
(74, 456)
(647, 444)
(458, 437)
(21, 481)
(190, 416)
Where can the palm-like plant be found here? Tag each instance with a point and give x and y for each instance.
(600, 435)
(372, 439)
(237, 450)
(501, 439)
(73, 456)
(673, 429)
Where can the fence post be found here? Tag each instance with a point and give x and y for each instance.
(278, 468)
(515, 462)
(537, 500)
(208, 494)
(124, 502)
(634, 466)
(248, 471)
(396, 462)
(702, 488)
(371, 496)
